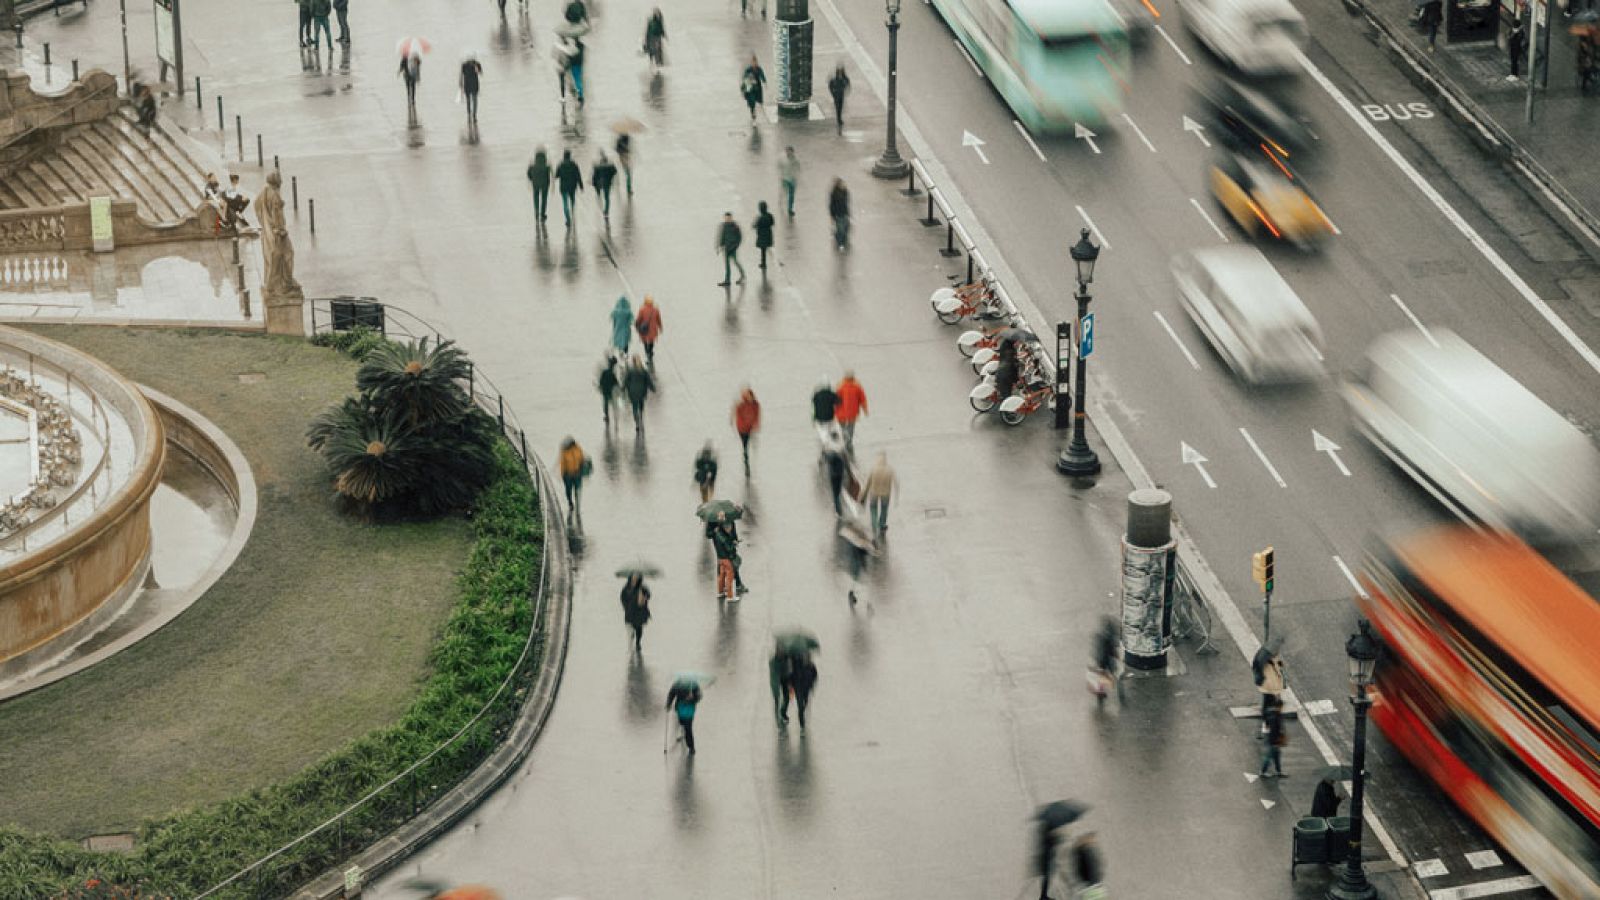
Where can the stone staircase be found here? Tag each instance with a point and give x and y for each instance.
(110, 157)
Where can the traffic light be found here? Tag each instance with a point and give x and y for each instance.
(1261, 569)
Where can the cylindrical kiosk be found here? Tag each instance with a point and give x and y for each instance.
(1149, 561)
(792, 36)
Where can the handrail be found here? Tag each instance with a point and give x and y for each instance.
(64, 506)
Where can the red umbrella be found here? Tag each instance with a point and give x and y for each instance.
(410, 46)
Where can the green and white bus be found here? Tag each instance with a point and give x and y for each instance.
(1057, 62)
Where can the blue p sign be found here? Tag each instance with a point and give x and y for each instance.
(1086, 336)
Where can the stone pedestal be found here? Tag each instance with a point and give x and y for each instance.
(286, 312)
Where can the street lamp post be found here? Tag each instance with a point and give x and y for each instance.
(1362, 649)
(890, 165)
(1079, 460)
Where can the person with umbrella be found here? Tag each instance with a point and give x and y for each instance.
(471, 73)
(411, 72)
(705, 472)
(539, 177)
(790, 669)
(569, 179)
(1087, 868)
(725, 544)
(635, 604)
(648, 324)
(1047, 842)
(601, 177)
(624, 150)
(1268, 668)
(621, 324)
(638, 384)
(746, 419)
(608, 383)
(683, 697)
(750, 85)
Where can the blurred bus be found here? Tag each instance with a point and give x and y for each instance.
(1057, 62)
(1492, 687)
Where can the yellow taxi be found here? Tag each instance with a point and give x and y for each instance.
(1265, 198)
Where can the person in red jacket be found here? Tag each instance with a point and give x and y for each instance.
(648, 324)
(746, 419)
(851, 405)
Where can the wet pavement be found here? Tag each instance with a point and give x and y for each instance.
(951, 699)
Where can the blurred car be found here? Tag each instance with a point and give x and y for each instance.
(1260, 37)
(1249, 313)
(1138, 19)
(1250, 120)
(1476, 439)
(1262, 194)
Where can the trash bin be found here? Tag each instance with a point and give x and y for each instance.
(1310, 842)
(1338, 838)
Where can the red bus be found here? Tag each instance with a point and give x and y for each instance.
(1491, 685)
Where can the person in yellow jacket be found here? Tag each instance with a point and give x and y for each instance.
(574, 467)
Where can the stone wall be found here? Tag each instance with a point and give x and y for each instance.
(22, 109)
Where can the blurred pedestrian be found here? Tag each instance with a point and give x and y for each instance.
(1432, 15)
(1273, 739)
(624, 148)
(574, 55)
(746, 419)
(750, 85)
(1325, 802)
(1103, 661)
(1516, 47)
(1268, 669)
(601, 177)
(729, 237)
(341, 8)
(305, 22)
(411, 72)
(1046, 844)
(655, 31)
(837, 463)
(705, 472)
(858, 546)
(320, 10)
(789, 171)
(574, 466)
(725, 544)
(779, 671)
(621, 325)
(839, 209)
(648, 324)
(682, 699)
(763, 228)
(636, 607)
(1008, 370)
(802, 681)
(880, 489)
(1087, 868)
(838, 86)
(823, 402)
(471, 73)
(638, 384)
(608, 383)
(539, 177)
(569, 179)
(850, 406)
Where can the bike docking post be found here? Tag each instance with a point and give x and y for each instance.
(917, 171)
(949, 248)
(1149, 563)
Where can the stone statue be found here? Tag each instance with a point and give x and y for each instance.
(277, 252)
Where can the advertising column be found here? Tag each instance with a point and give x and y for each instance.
(792, 36)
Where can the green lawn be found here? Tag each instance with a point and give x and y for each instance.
(318, 634)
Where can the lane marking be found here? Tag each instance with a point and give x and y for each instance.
(1350, 577)
(968, 139)
(1192, 457)
(970, 61)
(1485, 888)
(1321, 707)
(1483, 859)
(1173, 44)
(1090, 222)
(1174, 335)
(1471, 234)
(1271, 470)
(1320, 442)
(1139, 131)
(1084, 134)
(1209, 221)
(1414, 320)
(1430, 868)
(1197, 129)
(1029, 138)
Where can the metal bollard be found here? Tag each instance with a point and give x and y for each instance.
(74, 70)
(236, 249)
(949, 248)
(294, 191)
(260, 159)
(197, 102)
(311, 207)
(970, 273)
(275, 163)
(929, 220)
(221, 125)
(47, 50)
(18, 28)
(238, 131)
(911, 183)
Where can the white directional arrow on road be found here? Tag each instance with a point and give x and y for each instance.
(968, 139)
(1323, 445)
(1078, 131)
(1191, 456)
(1198, 129)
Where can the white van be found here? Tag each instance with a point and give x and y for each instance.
(1252, 317)
(1255, 36)
(1476, 439)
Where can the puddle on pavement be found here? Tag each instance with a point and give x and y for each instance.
(194, 280)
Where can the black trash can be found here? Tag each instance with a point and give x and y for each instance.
(1310, 842)
(1338, 839)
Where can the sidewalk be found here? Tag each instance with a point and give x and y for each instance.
(952, 700)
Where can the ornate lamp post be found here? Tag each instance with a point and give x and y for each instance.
(1079, 459)
(1362, 649)
(890, 165)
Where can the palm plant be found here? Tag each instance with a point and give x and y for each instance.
(374, 458)
(419, 382)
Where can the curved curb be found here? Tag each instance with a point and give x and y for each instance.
(552, 619)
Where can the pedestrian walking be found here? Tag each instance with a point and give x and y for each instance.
(763, 228)
(655, 31)
(636, 607)
(1432, 15)
(725, 544)
(839, 209)
(621, 325)
(575, 64)
(411, 72)
(569, 179)
(1268, 669)
(1103, 661)
(779, 671)
(705, 472)
(789, 172)
(823, 403)
(539, 177)
(682, 699)
(837, 464)
(802, 681)
(1273, 739)
(574, 466)
(1047, 843)
(601, 177)
(1325, 802)
(746, 419)
(471, 73)
(320, 10)
(850, 406)
(341, 8)
(1087, 868)
(838, 86)
(305, 22)
(729, 237)
(638, 384)
(880, 489)
(608, 383)
(1517, 47)
(648, 324)
(624, 149)
(858, 547)
(750, 85)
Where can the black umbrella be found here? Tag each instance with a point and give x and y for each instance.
(1334, 773)
(1060, 812)
(719, 510)
(1017, 334)
(640, 568)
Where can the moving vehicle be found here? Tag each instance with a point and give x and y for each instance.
(1251, 316)
(1490, 684)
(1263, 196)
(1056, 62)
(1476, 439)
(1249, 120)
(1259, 37)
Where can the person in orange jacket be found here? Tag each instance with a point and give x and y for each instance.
(851, 405)
(746, 419)
(648, 324)
(574, 466)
